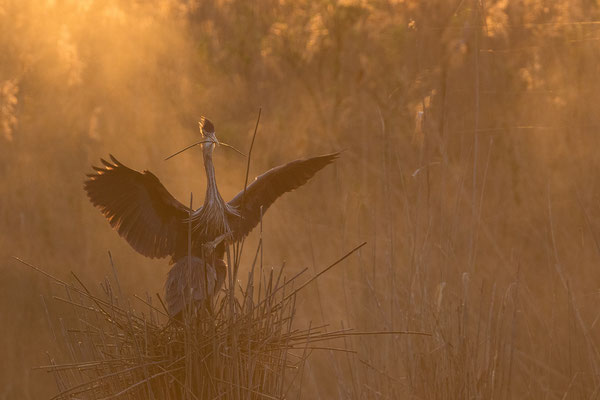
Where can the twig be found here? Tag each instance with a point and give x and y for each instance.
(240, 246)
(325, 270)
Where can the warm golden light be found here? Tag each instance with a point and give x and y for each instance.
(469, 167)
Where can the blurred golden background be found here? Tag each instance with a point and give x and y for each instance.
(470, 137)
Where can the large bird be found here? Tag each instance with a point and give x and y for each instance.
(156, 225)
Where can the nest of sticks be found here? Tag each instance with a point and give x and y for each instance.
(243, 345)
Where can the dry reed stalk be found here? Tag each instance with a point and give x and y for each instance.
(243, 347)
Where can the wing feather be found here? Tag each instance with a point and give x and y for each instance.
(138, 207)
(267, 187)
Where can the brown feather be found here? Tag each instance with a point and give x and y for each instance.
(187, 286)
(267, 187)
(139, 207)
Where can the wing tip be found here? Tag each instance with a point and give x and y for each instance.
(336, 155)
(114, 160)
(327, 159)
(106, 166)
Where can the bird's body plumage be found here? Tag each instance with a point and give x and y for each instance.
(193, 283)
(155, 224)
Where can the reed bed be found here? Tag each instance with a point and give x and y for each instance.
(244, 344)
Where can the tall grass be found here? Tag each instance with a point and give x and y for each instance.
(244, 346)
(470, 167)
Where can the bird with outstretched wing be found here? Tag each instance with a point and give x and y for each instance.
(156, 225)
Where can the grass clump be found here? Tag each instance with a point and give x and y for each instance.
(242, 345)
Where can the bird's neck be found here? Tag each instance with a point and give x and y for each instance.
(213, 215)
(212, 192)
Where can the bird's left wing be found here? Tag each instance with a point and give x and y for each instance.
(138, 206)
(268, 187)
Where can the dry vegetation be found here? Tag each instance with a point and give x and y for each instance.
(240, 345)
(470, 168)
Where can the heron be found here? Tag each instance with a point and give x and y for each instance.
(156, 225)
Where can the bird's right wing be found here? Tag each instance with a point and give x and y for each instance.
(267, 187)
(138, 206)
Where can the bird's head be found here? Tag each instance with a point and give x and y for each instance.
(209, 139)
(207, 130)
